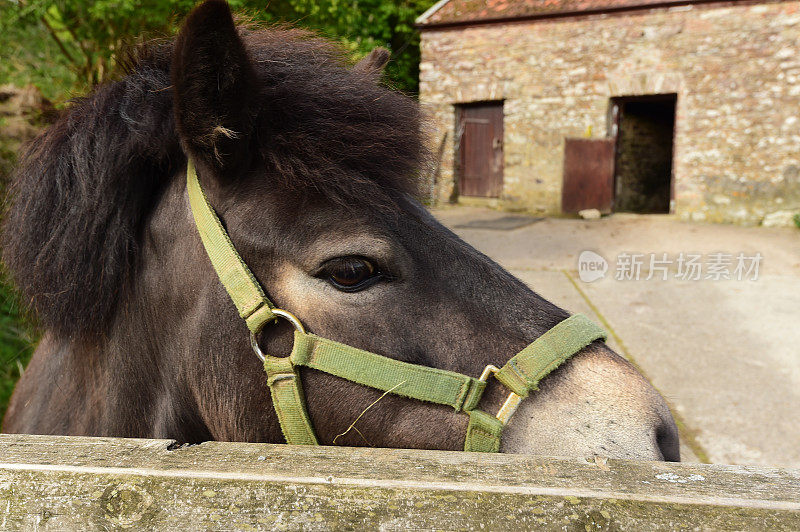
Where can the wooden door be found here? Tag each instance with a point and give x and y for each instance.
(588, 175)
(480, 150)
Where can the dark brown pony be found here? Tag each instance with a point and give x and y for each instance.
(310, 165)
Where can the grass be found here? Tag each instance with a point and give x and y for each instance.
(29, 57)
(18, 337)
(18, 334)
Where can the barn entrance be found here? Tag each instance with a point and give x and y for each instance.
(645, 131)
(479, 149)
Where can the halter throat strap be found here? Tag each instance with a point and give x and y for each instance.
(521, 374)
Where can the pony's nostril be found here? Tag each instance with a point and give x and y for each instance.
(667, 441)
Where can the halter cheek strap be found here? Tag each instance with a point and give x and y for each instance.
(520, 375)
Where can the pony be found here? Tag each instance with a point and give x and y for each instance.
(311, 166)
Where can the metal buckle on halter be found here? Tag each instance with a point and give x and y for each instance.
(512, 401)
(288, 316)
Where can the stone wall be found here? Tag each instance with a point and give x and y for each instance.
(735, 69)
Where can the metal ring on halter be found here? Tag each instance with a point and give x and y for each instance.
(288, 316)
(512, 401)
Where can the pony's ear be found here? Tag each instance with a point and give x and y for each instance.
(214, 86)
(373, 63)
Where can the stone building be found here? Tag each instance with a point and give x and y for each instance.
(550, 106)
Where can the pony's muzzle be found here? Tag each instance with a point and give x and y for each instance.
(595, 404)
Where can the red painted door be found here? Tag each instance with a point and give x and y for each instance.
(480, 149)
(588, 175)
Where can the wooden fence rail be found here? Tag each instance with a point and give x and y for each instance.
(72, 483)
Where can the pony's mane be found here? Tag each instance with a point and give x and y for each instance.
(84, 188)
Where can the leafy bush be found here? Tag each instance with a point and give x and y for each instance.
(66, 46)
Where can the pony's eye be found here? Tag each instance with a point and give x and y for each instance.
(351, 274)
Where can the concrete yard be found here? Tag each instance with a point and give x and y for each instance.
(724, 353)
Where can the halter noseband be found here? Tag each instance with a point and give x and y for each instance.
(521, 374)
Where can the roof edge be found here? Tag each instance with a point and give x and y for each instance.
(422, 25)
(430, 11)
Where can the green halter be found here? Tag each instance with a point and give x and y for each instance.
(520, 375)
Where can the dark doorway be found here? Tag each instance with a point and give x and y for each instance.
(479, 149)
(645, 130)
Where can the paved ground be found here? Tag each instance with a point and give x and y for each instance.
(725, 353)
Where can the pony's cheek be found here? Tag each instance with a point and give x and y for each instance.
(294, 290)
(315, 301)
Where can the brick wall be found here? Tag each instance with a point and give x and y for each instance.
(735, 69)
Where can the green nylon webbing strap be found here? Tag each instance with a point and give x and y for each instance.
(288, 401)
(523, 372)
(250, 300)
(423, 383)
(483, 433)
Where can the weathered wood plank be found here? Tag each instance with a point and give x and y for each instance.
(57, 483)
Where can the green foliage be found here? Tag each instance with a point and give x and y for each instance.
(66, 46)
(796, 219)
(87, 35)
(30, 57)
(361, 25)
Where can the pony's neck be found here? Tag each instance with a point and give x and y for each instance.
(124, 381)
(149, 350)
